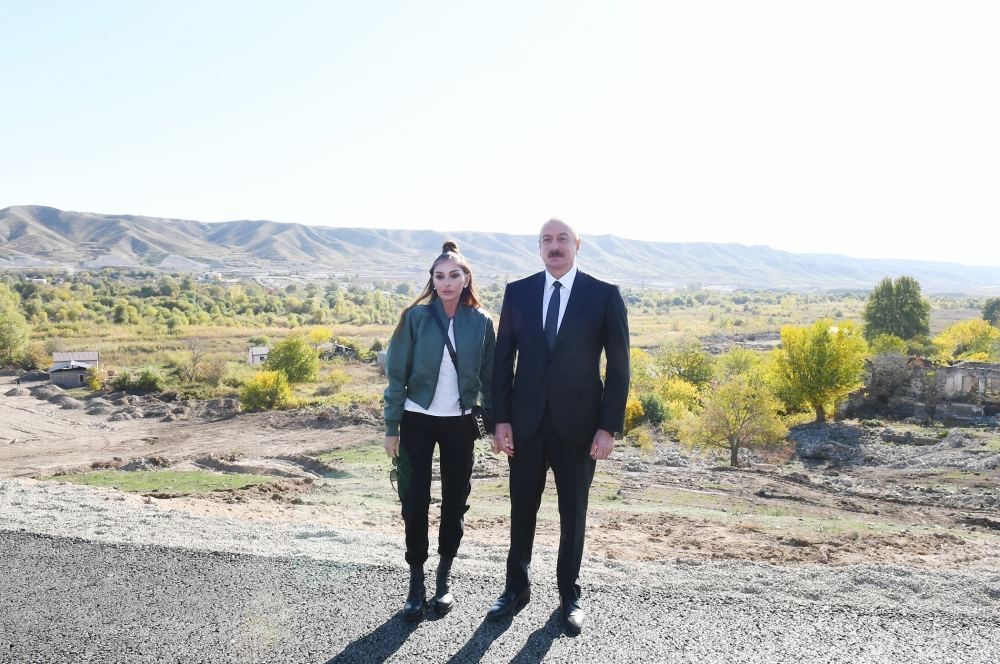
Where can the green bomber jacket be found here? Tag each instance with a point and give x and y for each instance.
(413, 360)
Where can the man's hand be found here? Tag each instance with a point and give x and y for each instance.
(392, 446)
(604, 443)
(503, 439)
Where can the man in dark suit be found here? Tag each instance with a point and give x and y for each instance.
(553, 411)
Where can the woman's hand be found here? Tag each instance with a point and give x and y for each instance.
(392, 446)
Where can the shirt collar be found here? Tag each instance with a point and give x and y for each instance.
(566, 280)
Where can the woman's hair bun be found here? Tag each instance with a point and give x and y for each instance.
(449, 247)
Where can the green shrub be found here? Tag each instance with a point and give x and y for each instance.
(338, 378)
(653, 410)
(150, 380)
(641, 437)
(147, 379)
(266, 390)
(238, 375)
(884, 344)
(96, 378)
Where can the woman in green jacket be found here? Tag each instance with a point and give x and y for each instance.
(429, 401)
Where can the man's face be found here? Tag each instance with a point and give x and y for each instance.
(557, 245)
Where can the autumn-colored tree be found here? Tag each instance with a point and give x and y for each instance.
(818, 364)
(738, 412)
(14, 330)
(974, 339)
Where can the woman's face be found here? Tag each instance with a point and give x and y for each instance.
(449, 280)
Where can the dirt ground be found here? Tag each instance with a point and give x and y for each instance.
(926, 511)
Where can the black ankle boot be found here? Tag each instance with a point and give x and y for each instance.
(442, 596)
(416, 600)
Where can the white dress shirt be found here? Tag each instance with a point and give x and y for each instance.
(567, 285)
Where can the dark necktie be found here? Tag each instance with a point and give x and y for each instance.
(552, 316)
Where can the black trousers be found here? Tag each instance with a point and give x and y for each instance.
(418, 433)
(574, 472)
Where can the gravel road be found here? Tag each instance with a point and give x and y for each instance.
(89, 575)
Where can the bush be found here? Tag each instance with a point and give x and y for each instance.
(888, 343)
(633, 412)
(147, 379)
(259, 340)
(641, 437)
(212, 370)
(238, 375)
(338, 378)
(266, 390)
(96, 378)
(653, 410)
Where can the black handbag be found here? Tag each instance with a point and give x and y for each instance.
(479, 418)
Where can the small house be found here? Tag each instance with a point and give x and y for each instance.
(258, 355)
(70, 369)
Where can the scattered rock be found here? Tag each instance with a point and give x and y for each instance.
(981, 521)
(148, 463)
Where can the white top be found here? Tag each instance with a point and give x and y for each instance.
(567, 285)
(445, 401)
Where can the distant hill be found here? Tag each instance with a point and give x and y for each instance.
(37, 236)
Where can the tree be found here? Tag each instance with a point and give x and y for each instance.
(34, 356)
(740, 362)
(896, 307)
(14, 329)
(687, 360)
(818, 364)
(295, 358)
(991, 311)
(973, 339)
(319, 335)
(739, 412)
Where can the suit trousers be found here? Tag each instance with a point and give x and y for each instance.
(418, 433)
(573, 469)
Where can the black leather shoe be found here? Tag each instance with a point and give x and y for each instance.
(508, 604)
(573, 615)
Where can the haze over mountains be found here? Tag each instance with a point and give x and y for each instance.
(45, 237)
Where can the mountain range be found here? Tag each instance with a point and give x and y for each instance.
(33, 236)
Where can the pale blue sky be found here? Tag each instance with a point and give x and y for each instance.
(867, 128)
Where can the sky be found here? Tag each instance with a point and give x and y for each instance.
(866, 128)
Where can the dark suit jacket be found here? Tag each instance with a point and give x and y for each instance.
(568, 379)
